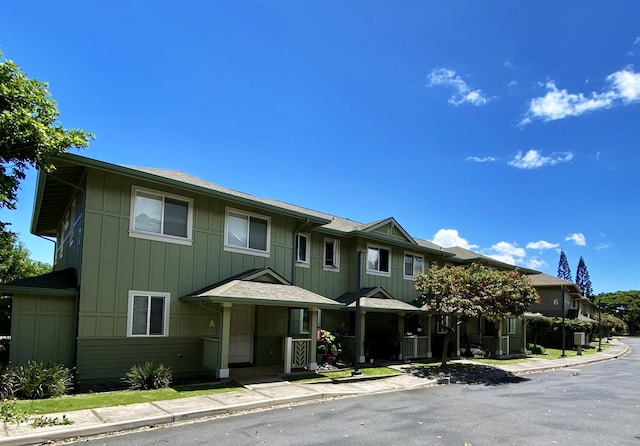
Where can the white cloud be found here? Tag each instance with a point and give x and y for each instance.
(542, 244)
(602, 246)
(478, 159)
(559, 104)
(509, 65)
(577, 238)
(626, 83)
(534, 159)
(507, 252)
(464, 94)
(637, 41)
(450, 237)
(534, 263)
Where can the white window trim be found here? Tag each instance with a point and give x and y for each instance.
(446, 321)
(160, 237)
(254, 252)
(306, 263)
(336, 255)
(165, 321)
(375, 272)
(512, 327)
(414, 255)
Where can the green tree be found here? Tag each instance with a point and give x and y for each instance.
(15, 264)
(564, 272)
(583, 281)
(624, 305)
(30, 134)
(457, 293)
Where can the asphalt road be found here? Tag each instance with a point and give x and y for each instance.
(589, 405)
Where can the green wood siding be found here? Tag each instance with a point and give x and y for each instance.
(42, 329)
(271, 329)
(109, 359)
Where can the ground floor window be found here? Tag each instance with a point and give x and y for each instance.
(512, 325)
(148, 313)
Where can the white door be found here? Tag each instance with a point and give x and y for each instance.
(241, 334)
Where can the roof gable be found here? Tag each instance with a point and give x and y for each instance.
(388, 228)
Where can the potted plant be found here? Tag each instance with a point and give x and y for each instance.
(328, 347)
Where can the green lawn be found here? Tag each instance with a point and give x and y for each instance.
(105, 399)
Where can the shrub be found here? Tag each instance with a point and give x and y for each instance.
(536, 349)
(149, 376)
(38, 380)
(8, 383)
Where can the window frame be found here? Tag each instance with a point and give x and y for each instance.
(165, 316)
(413, 256)
(442, 321)
(137, 233)
(247, 249)
(335, 265)
(378, 272)
(512, 325)
(307, 260)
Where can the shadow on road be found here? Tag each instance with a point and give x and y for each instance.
(466, 374)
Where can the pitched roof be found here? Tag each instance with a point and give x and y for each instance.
(465, 256)
(59, 283)
(262, 286)
(542, 280)
(376, 299)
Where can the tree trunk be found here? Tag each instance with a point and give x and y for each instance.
(445, 346)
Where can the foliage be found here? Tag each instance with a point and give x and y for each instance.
(30, 134)
(536, 349)
(38, 380)
(460, 293)
(624, 305)
(583, 281)
(328, 345)
(564, 272)
(149, 376)
(539, 328)
(11, 413)
(611, 324)
(8, 383)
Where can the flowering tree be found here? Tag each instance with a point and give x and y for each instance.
(457, 293)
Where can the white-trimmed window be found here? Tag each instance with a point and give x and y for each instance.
(303, 249)
(298, 321)
(378, 260)
(512, 325)
(160, 216)
(148, 313)
(247, 233)
(413, 265)
(331, 260)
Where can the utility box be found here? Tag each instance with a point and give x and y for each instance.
(579, 338)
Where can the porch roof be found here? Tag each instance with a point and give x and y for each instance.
(57, 283)
(376, 299)
(261, 287)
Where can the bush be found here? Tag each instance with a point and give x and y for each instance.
(149, 376)
(8, 383)
(38, 380)
(536, 349)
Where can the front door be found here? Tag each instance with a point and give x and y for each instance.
(241, 334)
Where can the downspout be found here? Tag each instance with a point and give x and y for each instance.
(82, 193)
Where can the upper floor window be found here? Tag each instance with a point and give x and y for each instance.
(378, 260)
(331, 254)
(302, 249)
(160, 216)
(148, 313)
(413, 265)
(247, 232)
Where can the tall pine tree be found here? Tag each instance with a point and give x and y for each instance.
(583, 281)
(564, 272)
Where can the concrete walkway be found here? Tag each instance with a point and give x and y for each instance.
(253, 396)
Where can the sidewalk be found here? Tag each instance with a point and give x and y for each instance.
(253, 396)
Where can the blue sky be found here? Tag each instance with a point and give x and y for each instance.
(510, 128)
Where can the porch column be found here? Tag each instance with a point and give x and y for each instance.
(362, 331)
(223, 370)
(401, 334)
(313, 326)
(429, 334)
(458, 340)
(499, 351)
(524, 336)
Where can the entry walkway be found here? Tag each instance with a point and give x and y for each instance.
(253, 396)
